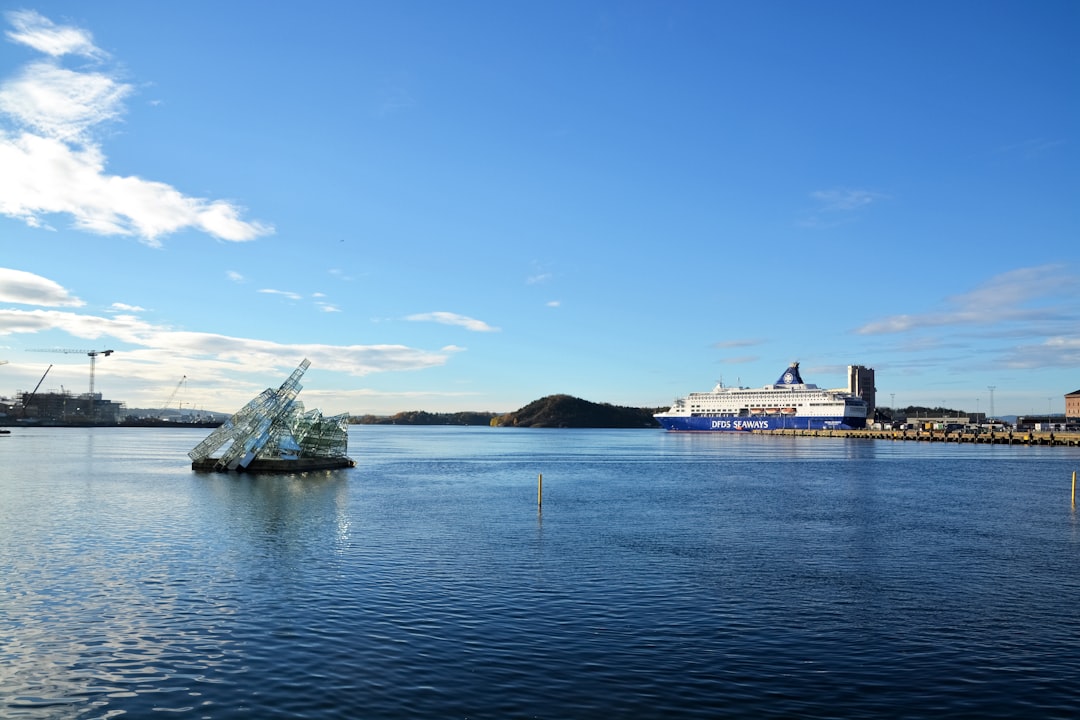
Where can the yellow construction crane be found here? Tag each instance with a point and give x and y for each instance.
(93, 359)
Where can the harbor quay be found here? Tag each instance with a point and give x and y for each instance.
(983, 437)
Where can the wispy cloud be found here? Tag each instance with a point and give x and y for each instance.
(741, 359)
(744, 342)
(235, 276)
(1022, 285)
(61, 104)
(395, 95)
(124, 307)
(53, 165)
(1025, 295)
(149, 342)
(1032, 148)
(1031, 317)
(282, 293)
(448, 318)
(1056, 351)
(845, 200)
(540, 274)
(24, 288)
(837, 206)
(318, 298)
(31, 29)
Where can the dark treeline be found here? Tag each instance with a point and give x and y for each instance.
(420, 417)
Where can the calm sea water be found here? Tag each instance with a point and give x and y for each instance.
(674, 576)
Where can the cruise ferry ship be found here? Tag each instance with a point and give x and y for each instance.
(789, 403)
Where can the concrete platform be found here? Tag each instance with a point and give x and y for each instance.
(279, 466)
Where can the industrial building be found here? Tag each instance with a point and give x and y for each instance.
(64, 408)
(861, 385)
(1072, 407)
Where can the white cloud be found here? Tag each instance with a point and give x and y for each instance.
(52, 165)
(448, 318)
(18, 286)
(124, 307)
(235, 276)
(156, 343)
(60, 103)
(34, 30)
(283, 293)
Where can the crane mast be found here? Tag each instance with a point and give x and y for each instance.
(172, 396)
(26, 398)
(93, 358)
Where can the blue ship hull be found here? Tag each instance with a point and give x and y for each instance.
(744, 424)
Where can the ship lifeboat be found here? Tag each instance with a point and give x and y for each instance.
(772, 411)
(788, 411)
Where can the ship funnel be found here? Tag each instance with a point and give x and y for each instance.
(791, 376)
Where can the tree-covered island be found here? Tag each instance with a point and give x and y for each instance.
(553, 411)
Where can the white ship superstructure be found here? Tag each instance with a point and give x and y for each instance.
(787, 403)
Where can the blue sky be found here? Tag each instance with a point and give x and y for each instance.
(471, 205)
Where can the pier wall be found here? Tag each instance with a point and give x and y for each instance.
(1067, 439)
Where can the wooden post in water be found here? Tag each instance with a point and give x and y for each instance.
(540, 490)
(1074, 489)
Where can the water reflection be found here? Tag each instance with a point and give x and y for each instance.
(86, 629)
(126, 585)
(283, 515)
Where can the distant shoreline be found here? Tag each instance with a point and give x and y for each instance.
(1044, 438)
(126, 424)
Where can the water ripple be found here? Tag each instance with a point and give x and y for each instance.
(667, 576)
